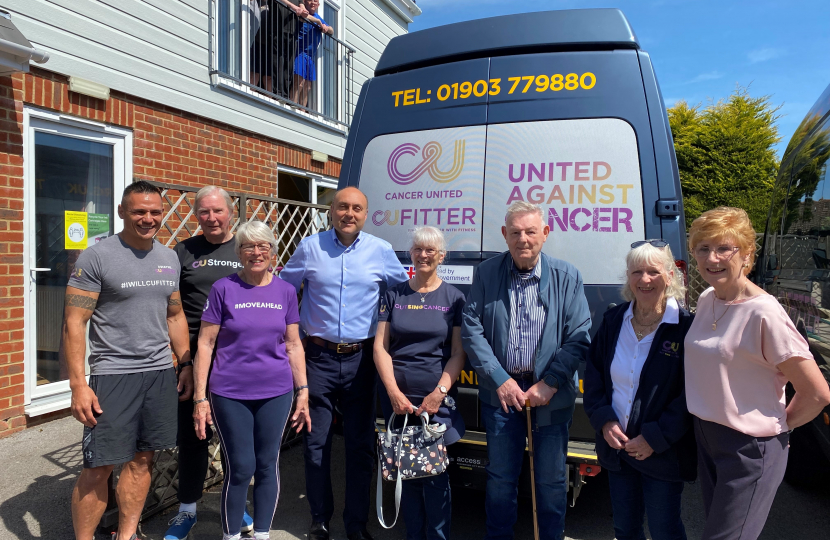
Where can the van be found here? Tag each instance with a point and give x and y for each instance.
(794, 266)
(558, 108)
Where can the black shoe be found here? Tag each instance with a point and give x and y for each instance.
(319, 530)
(362, 534)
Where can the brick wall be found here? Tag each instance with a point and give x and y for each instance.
(168, 146)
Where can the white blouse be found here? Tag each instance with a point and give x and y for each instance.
(629, 357)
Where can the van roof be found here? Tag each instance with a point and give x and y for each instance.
(525, 33)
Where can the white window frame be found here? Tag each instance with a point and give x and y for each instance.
(51, 397)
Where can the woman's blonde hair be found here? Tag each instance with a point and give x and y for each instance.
(655, 255)
(724, 223)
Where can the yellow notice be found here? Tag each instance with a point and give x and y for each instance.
(77, 227)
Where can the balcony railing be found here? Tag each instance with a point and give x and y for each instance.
(262, 48)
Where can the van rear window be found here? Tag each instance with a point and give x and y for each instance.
(584, 173)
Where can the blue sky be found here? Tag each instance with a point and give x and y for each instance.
(701, 48)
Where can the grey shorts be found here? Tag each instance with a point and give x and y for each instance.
(140, 415)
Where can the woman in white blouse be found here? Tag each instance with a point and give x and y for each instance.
(634, 397)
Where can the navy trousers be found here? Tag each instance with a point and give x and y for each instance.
(347, 382)
(633, 494)
(251, 433)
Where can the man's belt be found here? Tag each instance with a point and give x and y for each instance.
(341, 348)
(526, 376)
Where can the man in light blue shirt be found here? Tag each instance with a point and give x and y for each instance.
(343, 272)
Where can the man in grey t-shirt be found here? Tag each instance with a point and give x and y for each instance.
(127, 287)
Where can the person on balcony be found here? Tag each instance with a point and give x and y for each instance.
(251, 318)
(635, 397)
(269, 51)
(308, 41)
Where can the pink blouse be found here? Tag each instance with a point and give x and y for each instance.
(732, 376)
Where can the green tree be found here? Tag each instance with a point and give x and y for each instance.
(725, 154)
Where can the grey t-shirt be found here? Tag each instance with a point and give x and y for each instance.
(128, 330)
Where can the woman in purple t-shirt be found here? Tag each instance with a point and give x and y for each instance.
(253, 321)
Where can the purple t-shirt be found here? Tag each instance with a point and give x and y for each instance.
(251, 361)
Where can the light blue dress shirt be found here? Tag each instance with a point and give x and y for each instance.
(342, 284)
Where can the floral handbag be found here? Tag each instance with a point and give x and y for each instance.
(407, 453)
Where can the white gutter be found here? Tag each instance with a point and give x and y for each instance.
(411, 7)
(27, 53)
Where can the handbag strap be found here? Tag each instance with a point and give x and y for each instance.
(398, 486)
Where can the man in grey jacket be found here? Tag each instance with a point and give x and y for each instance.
(525, 329)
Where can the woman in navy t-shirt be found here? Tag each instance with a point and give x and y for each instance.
(419, 356)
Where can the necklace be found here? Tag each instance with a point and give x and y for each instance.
(422, 295)
(646, 326)
(729, 305)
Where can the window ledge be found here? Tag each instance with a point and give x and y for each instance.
(232, 85)
(47, 404)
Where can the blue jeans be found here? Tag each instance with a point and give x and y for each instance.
(506, 433)
(426, 508)
(633, 494)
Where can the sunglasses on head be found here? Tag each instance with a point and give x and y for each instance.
(656, 242)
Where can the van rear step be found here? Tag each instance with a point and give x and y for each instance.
(578, 451)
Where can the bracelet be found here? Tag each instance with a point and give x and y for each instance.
(197, 401)
(303, 387)
(183, 365)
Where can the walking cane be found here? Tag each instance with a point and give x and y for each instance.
(532, 471)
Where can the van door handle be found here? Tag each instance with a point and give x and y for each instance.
(40, 269)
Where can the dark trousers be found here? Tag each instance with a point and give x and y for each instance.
(193, 455)
(633, 494)
(251, 433)
(426, 507)
(345, 381)
(739, 475)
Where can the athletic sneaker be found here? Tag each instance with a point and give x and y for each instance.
(180, 526)
(247, 522)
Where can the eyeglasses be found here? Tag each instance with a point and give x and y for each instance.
(656, 242)
(429, 252)
(250, 248)
(721, 252)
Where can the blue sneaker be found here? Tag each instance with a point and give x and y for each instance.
(180, 526)
(247, 523)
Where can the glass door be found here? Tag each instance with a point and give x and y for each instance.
(74, 177)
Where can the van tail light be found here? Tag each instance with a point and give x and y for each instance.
(684, 268)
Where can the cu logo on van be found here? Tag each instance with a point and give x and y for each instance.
(431, 153)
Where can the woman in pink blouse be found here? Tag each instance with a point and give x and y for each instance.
(741, 351)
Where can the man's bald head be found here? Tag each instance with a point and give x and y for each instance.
(346, 192)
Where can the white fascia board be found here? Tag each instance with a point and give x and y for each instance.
(406, 9)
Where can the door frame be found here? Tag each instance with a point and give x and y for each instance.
(56, 396)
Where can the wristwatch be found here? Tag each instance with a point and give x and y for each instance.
(443, 389)
(551, 381)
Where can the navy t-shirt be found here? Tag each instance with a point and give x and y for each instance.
(420, 343)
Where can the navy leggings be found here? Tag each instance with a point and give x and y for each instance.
(250, 432)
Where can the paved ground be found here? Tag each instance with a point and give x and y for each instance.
(38, 468)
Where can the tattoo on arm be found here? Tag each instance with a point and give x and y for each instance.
(81, 301)
(174, 302)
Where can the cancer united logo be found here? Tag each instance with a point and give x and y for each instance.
(431, 153)
(671, 349)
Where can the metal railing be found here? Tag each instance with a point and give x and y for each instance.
(291, 221)
(262, 48)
